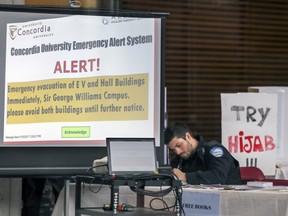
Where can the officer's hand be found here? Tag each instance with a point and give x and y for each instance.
(181, 176)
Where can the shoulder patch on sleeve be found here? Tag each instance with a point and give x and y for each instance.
(217, 151)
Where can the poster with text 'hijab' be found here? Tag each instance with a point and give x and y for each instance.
(249, 128)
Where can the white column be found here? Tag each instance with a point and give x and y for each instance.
(10, 196)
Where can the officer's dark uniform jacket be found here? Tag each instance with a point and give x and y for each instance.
(211, 164)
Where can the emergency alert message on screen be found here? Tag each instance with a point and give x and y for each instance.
(78, 100)
(80, 78)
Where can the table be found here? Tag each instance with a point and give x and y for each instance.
(162, 184)
(92, 198)
(235, 202)
(231, 202)
(97, 195)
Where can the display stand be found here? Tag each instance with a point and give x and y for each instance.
(114, 184)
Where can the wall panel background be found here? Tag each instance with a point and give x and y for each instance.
(219, 46)
(214, 47)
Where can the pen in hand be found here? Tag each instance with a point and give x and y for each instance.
(180, 165)
(180, 173)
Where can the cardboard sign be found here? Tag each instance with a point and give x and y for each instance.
(282, 132)
(249, 128)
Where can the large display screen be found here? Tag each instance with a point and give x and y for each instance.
(73, 79)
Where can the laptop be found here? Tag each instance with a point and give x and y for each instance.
(130, 156)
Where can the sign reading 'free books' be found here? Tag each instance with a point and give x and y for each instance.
(198, 204)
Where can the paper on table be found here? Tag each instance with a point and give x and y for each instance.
(259, 184)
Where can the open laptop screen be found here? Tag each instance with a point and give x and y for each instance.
(131, 155)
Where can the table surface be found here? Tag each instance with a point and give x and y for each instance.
(98, 195)
(135, 212)
(270, 202)
(250, 202)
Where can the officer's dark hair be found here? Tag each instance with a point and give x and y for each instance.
(178, 130)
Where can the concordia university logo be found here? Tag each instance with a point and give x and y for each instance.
(12, 31)
(35, 30)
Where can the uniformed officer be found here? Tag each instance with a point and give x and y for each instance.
(198, 161)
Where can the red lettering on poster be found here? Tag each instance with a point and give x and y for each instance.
(250, 143)
(77, 66)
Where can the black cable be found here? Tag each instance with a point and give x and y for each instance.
(177, 192)
(91, 189)
(166, 207)
(178, 197)
(143, 177)
(91, 172)
(145, 192)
